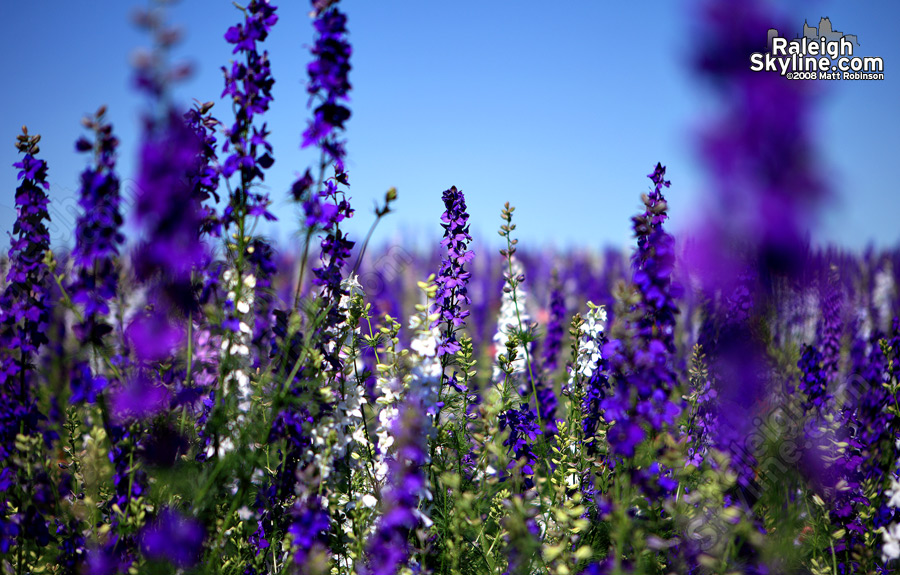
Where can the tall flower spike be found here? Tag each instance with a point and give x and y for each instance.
(328, 83)
(452, 293)
(639, 358)
(555, 327)
(512, 315)
(249, 84)
(389, 547)
(24, 309)
(98, 235)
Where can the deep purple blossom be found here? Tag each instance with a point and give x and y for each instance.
(640, 359)
(174, 538)
(24, 312)
(165, 207)
(389, 547)
(310, 528)
(249, 83)
(452, 292)
(555, 327)
(523, 433)
(329, 85)
(813, 382)
(205, 176)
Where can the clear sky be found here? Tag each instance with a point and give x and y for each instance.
(561, 109)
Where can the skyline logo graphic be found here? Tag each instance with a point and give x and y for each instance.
(819, 53)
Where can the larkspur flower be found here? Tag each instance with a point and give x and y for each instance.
(205, 178)
(512, 314)
(452, 293)
(388, 548)
(23, 304)
(555, 327)
(813, 379)
(173, 537)
(249, 84)
(328, 83)
(98, 235)
(24, 319)
(640, 358)
(523, 433)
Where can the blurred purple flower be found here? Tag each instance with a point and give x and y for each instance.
(174, 538)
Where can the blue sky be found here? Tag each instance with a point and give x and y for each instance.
(561, 111)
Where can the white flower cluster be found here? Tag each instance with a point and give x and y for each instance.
(426, 373)
(589, 344)
(344, 425)
(890, 549)
(883, 296)
(237, 345)
(507, 322)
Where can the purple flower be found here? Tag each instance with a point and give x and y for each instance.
(249, 83)
(85, 385)
(555, 328)
(174, 538)
(205, 177)
(831, 330)
(640, 359)
(813, 380)
(139, 397)
(388, 548)
(310, 528)
(24, 312)
(452, 278)
(328, 84)
(523, 432)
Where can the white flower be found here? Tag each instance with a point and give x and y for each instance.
(891, 548)
(369, 501)
(512, 314)
(589, 344)
(894, 493)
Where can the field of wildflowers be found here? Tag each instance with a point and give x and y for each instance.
(197, 401)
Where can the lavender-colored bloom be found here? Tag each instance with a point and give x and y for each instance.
(71, 547)
(767, 181)
(85, 385)
(335, 251)
(24, 318)
(453, 277)
(205, 177)
(174, 538)
(813, 380)
(388, 548)
(831, 329)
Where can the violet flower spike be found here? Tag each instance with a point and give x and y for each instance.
(453, 277)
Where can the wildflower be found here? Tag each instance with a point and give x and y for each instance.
(639, 358)
(173, 537)
(451, 282)
(512, 315)
(249, 84)
(555, 327)
(329, 84)
(388, 548)
(24, 312)
(98, 235)
(523, 432)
